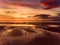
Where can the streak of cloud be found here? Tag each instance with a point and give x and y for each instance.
(45, 4)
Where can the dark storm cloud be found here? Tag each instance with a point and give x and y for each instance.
(46, 4)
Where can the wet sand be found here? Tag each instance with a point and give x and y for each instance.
(27, 35)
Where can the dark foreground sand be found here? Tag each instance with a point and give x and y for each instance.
(28, 36)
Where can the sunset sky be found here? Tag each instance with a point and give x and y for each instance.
(25, 8)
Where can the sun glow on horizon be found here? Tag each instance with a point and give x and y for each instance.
(22, 11)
